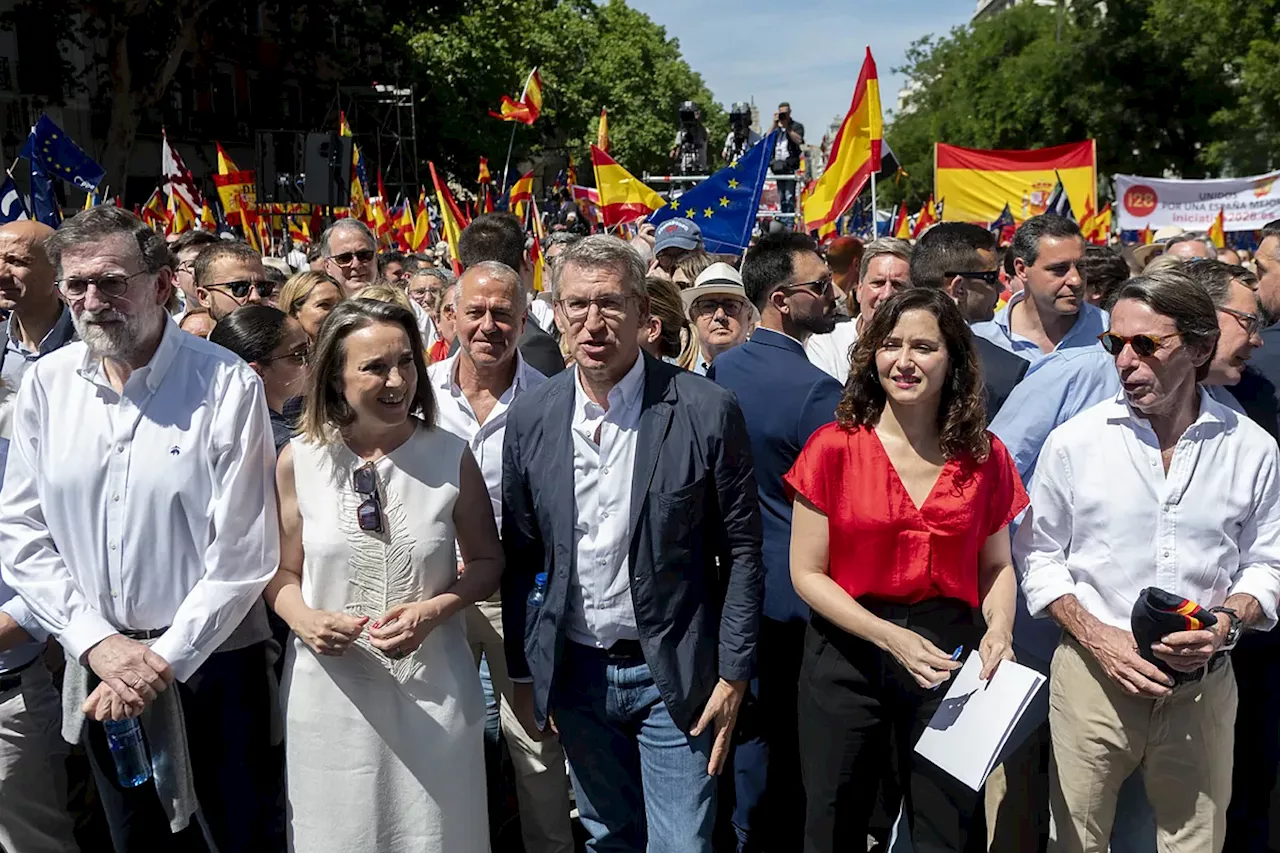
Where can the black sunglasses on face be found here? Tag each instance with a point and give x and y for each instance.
(369, 513)
(991, 277)
(345, 258)
(1143, 345)
(823, 285)
(240, 289)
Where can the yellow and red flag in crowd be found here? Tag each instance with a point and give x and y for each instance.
(1087, 224)
(902, 224)
(521, 192)
(422, 224)
(540, 272)
(571, 174)
(405, 227)
(484, 177)
(207, 222)
(1218, 230)
(1145, 235)
(298, 231)
(602, 135)
(854, 157)
(358, 194)
(1102, 225)
(623, 197)
(528, 108)
(451, 219)
(977, 184)
(236, 191)
(928, 216)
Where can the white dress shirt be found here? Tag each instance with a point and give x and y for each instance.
(829, 352)
(150, 509)
(485, 440)
(1106, 520)
(599, 610)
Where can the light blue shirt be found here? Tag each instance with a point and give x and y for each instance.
(1056, 388)
(17, 609)
(1091, 321)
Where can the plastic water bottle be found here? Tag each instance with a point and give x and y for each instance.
(129, 751)
(538, 595)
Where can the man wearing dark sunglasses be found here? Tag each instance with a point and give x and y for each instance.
(229, 274)
(1050, 312)
(350, 254)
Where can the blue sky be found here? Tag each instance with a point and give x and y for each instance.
(807, 52)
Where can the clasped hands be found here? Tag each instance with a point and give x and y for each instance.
(397, 633)
(1184, 651)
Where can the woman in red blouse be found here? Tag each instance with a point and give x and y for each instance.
(899, 538)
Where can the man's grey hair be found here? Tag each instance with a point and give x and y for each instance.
(326, 239)
(444, 276)
(602, 250)
(500, 271)
(883, 246)
(1191, 236)
(104, 222)
(1216, 277)
(1183, 300)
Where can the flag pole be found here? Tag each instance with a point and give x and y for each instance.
(875, 214)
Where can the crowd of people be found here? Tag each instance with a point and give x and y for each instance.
(700, 539)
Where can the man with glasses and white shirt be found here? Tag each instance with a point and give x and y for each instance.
(474, 388)
(229, 274)
(1050, 312)
(1161, 487)
(137, 523)
(350, 254)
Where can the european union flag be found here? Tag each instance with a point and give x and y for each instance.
(44, 204)
(725, 204)
(58, 156)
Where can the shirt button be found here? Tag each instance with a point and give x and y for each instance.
(1166, 553)
(115, 498)
(112, 546)
(115, 594)
(605, 513)
(604, 470)
(119, 448)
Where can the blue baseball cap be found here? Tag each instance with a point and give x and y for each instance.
(677, 234)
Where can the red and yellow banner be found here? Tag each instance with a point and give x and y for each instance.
(528, 108)
(855, 154)
(521, 192)
(623, 196)
(451, 219)
(977, 184)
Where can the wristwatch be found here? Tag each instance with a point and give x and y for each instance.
(1234, 630)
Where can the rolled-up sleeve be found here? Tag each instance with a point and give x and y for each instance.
(1041, 544)
(29, 559)
(1259, 568)
(244, 545)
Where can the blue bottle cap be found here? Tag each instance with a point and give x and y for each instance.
(540, 579)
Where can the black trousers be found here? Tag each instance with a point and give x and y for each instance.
(861, 714)
(1256, 661)
(238, 773)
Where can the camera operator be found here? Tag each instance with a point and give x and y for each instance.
(689, 155)
(741, 137)
(786, 157)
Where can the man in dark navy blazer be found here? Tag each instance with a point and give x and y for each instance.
(628, 484)
(784, 399)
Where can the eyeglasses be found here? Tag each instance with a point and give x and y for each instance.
(705, 307)
(1143, 345)
(823, 285)
(240, 289)
(300, 356)
(989, 276)
(110, 286)
(610, 307)
(1251, 323)
(345, 258)
(369, 513)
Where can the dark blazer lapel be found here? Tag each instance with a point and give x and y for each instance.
(558, 441)
(655, 421)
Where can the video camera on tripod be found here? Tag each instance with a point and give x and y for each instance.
(690, 153)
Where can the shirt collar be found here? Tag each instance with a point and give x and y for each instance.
(623, 396)
(62, 333)
(1211, 411)
(760, 329)
(153, 373)
(449, 375)
(1003, 316)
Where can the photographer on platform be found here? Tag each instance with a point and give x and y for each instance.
(786, 157)
(741, 137)
(689, 154)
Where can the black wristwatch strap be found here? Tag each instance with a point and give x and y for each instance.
(1233, 630)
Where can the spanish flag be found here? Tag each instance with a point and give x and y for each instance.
(928, 216)
(902, 225)
(541, 279)
(422, 224)
(521, 192)
(602, 135)
(207, 222)
(1218, 231)
(451, 219)
(977, 184)
(153, 212)
(623, 198)
(1102, 225)
(484, 177)
(528, 108)
(236, 188)
(855, 154)
(357, 208)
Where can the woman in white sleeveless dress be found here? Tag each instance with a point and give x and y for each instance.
(383, 712)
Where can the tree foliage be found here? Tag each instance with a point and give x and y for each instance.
(589, 56)
(1183, 87)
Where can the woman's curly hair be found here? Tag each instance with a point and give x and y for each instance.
(962, 409)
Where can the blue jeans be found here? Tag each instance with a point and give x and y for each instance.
(641, 783)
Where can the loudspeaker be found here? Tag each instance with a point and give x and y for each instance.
(327, 165)
(277, 159)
